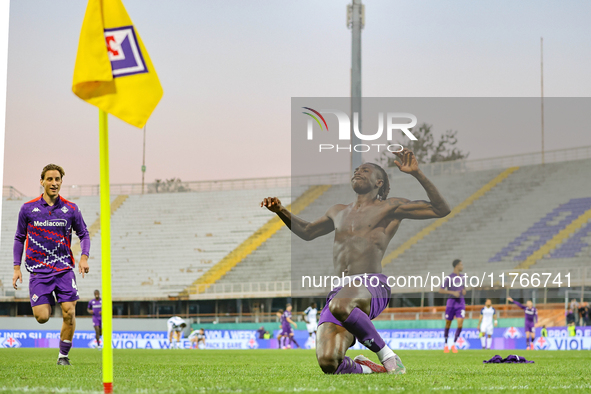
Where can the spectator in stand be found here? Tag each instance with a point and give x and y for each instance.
(544, 332)
(584, 312)
(261, 332)
(574, 306)
(570, 318)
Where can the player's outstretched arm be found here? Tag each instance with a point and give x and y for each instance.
(436, 207)
(516, 303)
(300, 227)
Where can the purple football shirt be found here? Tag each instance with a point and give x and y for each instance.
(44, 232)
(454, 282)
(284, 322)
(96, 306)
(531, 314)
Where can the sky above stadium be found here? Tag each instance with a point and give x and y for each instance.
(230, 68)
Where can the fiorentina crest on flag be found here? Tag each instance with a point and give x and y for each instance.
(124, 52)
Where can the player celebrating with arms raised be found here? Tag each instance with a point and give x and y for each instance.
(363, 230)
(46, 224)
(454, 287)
(531, 318)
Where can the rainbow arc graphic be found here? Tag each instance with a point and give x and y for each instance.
(315, 118)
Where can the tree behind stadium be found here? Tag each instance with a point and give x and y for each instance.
(427, 150)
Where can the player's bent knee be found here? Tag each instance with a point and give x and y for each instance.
(340, 308)
(42, 319)
(328, 364)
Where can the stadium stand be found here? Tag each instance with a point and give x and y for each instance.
(533, 216)
(272, 262)
(160, 242)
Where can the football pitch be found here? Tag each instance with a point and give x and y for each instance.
(281, 371)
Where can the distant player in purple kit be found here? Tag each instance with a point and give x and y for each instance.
(286, 333)
(363, 229)
(531, 318)
(454, 287)
(96, 310)
(44, 232)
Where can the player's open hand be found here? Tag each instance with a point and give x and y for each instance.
(407, 161)
(17, 276)
(456, 294)
(272, 204)
(509, 299)
(83, 265)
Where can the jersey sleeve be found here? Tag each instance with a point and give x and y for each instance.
(445, 283)
(482, 311)
(20, 237)
(81, 230)
(308, 309)
(519, 305)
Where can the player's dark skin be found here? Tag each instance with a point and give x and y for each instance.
(456, 294)
(363, 230)
(97, 330)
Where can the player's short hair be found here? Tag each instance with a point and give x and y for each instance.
(313, 304)
(287, 305)
(456, 262)
(385, 189)
(52, 167)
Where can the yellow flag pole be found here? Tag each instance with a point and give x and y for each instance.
(105, 198)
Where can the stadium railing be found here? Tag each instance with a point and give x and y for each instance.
(506, 311)
(10, 193)
(430, 169)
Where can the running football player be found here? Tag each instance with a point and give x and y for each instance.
(44, 229)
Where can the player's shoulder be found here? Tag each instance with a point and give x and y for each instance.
(31, 203)
(69, 204)
(336, 208)
(482, 310)
(36, 199)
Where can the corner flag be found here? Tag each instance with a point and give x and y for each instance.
(113, 70)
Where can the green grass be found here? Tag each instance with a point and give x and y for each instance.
(252, 371)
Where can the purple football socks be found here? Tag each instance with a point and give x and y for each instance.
(359, 324)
